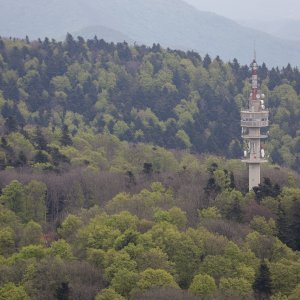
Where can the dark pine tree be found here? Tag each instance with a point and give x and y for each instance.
(2, 45)
(39, 139)
(262, 285)
(284, 233)
(148, 168)
(232, 181)
(295, 226)
(263, 72)
(10, 124)
(58, 157)
(206, 61)
(63, 292)
(65, 139)
(22, 159)
(266, 189)
(235, 213)
(274, 78)
(41, 157)
(276, 157)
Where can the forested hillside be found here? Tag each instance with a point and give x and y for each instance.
(52, 90)
(117, 183)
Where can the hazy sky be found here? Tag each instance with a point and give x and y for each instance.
(251, 9)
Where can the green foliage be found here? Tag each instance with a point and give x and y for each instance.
(60, 84)
(19, 143)
(285, 276)
(115, 261)
(184, 138)
(62, 249)
(174, 216)
(109, 294)
(124, 281)
(144, 203)
(36, 201)
(288, 217)
(230, 203)
(32, 234)
(69, 227)
(295, 293)
(96, 257)
(47, 279)
(217, 266)
(261, 225)
(123, 221)
(12, 292)
(221, 179)
(209, 213)
(236, 287)
(96, 235)
(279, 296)
(7, 243)
(27, 201)
(154, 258)
(127, 238)
(203, 285)
(31, 251)
(178, 217)
(151, 278)
(135, 254)
(13, 196)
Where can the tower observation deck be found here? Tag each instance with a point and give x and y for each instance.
(253, 119)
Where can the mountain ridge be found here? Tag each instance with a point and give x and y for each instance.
(174, 24)
(285, 28)
(108, 34)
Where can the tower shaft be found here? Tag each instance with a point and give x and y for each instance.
(253, 119)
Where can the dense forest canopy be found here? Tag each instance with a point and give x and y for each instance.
(166, 97)
(116, 181)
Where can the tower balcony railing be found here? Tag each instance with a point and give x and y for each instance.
(254, 119)
(252, 136)
(254, 160)
(255, 123)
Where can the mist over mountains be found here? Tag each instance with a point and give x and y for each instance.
(284, 28)
(172, 23)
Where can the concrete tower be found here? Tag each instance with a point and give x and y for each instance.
(253, 119)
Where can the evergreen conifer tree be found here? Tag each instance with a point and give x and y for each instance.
(295, 226)
(262, 285)
(39, 139)
(65, 137)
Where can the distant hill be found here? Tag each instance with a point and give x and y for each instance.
(108, 34)
(285, 28)
(172, 23)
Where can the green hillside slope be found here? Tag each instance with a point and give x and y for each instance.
(169, 98)
(94, 205)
